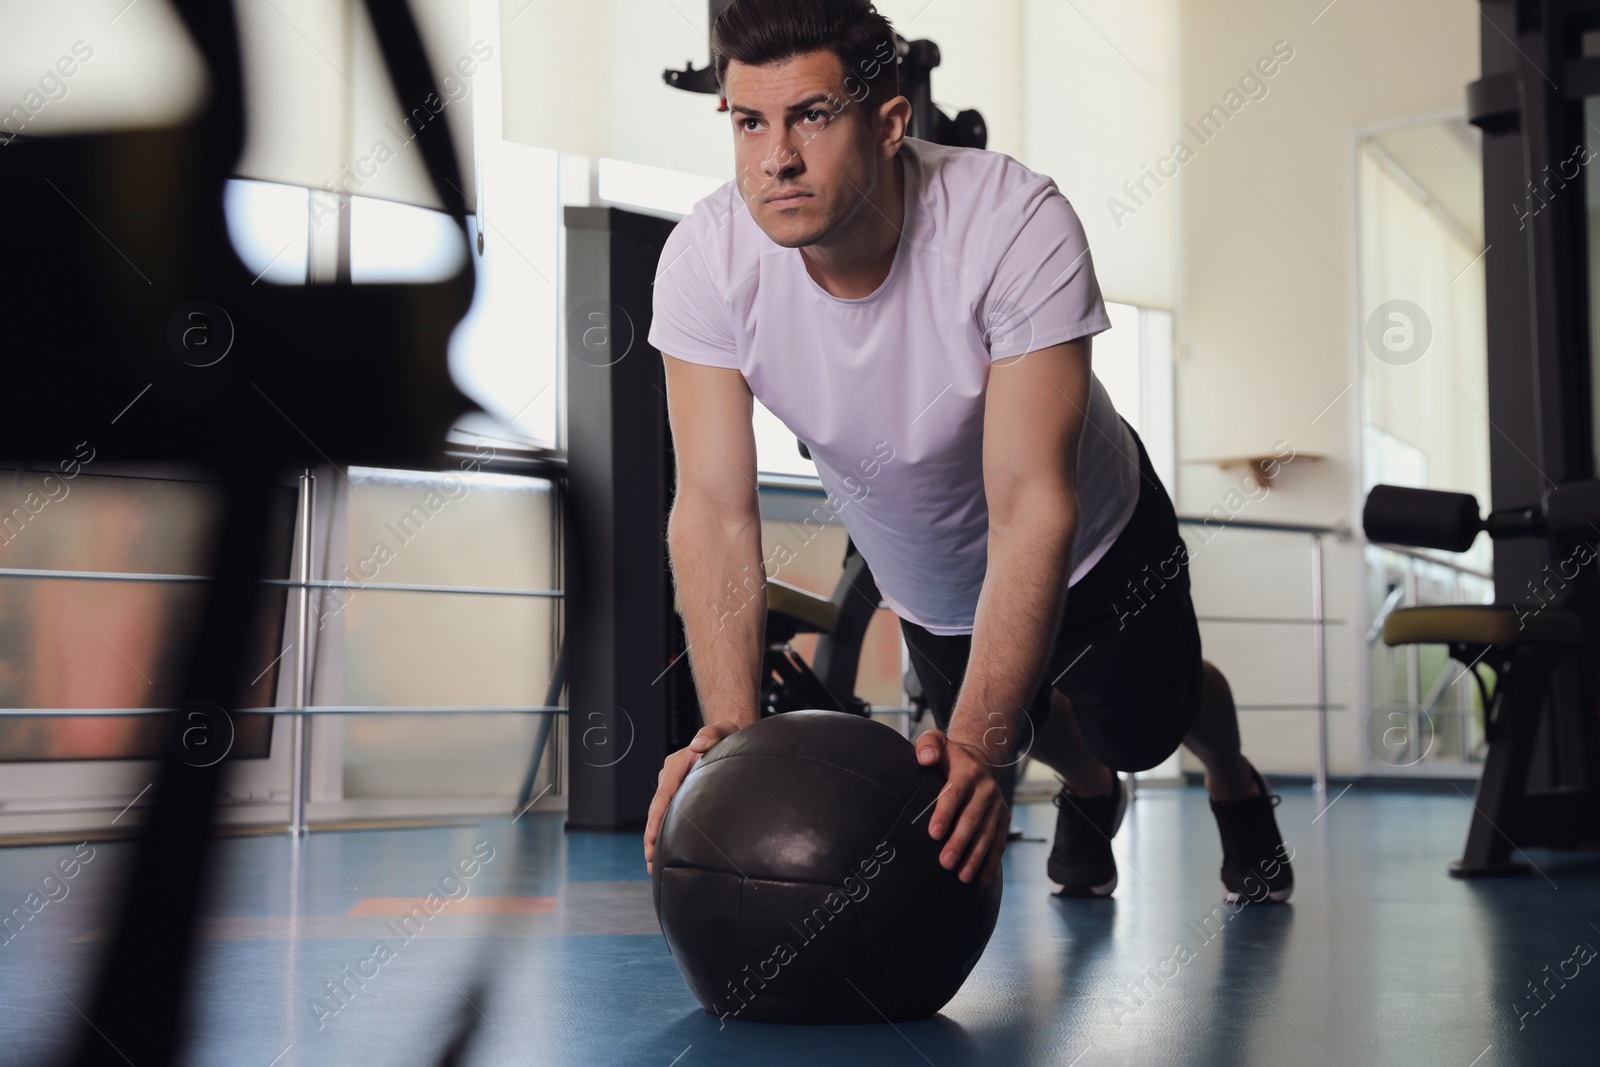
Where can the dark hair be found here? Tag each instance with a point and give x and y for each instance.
(758, 32)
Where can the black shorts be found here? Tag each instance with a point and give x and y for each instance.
(1128, 650)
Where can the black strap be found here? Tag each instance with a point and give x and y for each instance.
(216, 32)
(407, 61)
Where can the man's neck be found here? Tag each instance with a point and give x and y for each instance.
(856, 263)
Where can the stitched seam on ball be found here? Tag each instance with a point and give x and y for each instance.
(747, 878)
(813, 759)
(883, 976)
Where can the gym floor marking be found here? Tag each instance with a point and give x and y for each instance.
(395, 906)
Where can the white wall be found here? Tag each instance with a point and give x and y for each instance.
(1267, 315)
(1100, 102)
(586, 78)
(981, 47)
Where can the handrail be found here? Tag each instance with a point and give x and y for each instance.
(310, 709)
(793, 482)
(1390, 602)
(1319, 623)
(811, 483)
(1426, 557)
(391, 587)
(1264, 619)
(1341, 531)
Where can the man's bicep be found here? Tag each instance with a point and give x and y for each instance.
(709, 409)
(1035, 410)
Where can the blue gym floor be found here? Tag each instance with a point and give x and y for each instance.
(1380, 959)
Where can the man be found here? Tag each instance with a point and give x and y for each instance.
(920, 316)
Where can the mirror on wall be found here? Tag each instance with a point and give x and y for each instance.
(1425, 416)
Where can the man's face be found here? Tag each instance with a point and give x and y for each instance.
(805, 152)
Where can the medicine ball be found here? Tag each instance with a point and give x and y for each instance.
(796, 882)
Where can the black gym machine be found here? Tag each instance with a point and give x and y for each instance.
(1523, 644)
(1541, 780)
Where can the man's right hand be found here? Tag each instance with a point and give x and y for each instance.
(673, 771)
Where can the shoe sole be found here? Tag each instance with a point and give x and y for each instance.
(1084, 892)
(1277, 896)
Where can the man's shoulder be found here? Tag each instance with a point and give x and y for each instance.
(975, 180)
(717, 231)
(974, 202)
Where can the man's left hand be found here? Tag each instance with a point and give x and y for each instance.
(971, 803)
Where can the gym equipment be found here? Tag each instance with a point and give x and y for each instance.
(1523, 644)
(840, 623)
(625, 676)
(788, 683)
(928, 122)
(795, 880)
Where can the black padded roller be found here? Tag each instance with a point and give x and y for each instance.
(1573, 509)
(795, 880)
(1421, 518)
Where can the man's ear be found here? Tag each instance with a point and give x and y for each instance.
(894, 116)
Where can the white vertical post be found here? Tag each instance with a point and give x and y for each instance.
(1413, 666)
(299, 695)
(558, 755)
(1320, 645)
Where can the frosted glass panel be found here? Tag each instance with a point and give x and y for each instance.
(392, 242)
(1116, 361)
(267, 224)
(1425, 365)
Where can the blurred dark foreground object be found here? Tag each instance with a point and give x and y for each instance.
(133, 326)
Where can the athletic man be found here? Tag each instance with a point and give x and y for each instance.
(920, 316)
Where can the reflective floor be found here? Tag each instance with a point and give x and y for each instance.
(546, 941)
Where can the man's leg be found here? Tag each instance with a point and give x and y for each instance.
(1255, 860)
(1061, 747)
(1090, 805)
(1214, 739)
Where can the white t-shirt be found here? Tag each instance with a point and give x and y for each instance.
(887, 391)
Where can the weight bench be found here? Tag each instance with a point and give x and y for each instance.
(1524, 645)
(1523, 653)
(840, 622)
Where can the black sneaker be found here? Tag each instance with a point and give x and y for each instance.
(1081, 864)
(1255, 861)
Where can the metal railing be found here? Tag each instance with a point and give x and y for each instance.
(300, 706)
(1418, 706)
(1319, 623)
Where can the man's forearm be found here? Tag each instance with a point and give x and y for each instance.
(1019, 610)
(722, 593)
